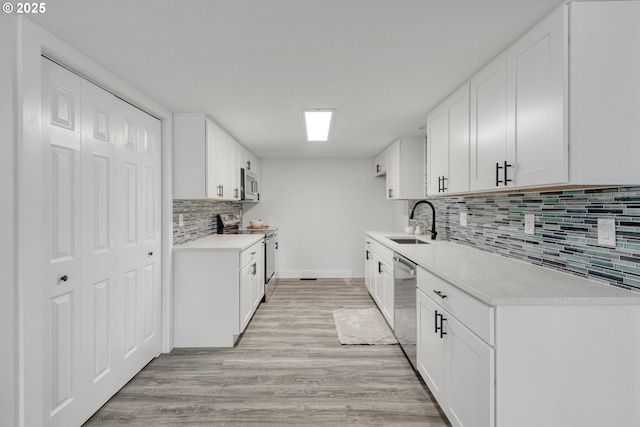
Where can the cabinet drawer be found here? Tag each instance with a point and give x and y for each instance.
(385, 254)
(250, 254)
(471, 312)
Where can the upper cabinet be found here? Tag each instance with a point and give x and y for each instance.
(557, 108)
(448, 144)
(402, 163)
(207, 160)
(518, 112)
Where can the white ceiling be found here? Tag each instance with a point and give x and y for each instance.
(255, 65)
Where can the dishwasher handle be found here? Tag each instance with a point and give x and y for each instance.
(405, 265)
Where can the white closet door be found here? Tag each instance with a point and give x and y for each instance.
(63, 393)
(102, 196)
(98, 193)
(138, 236)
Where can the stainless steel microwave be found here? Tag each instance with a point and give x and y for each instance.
(249, 185)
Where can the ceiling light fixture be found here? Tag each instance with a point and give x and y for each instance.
(318, 124)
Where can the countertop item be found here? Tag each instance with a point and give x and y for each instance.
(497, 280)
(238, 242)
(261, 230)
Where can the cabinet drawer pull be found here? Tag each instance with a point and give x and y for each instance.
(64, 278)
(440, 294)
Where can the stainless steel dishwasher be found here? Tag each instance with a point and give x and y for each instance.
(404, 285)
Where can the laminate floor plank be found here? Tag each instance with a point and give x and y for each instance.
(288, 368)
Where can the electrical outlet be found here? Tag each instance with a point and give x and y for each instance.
(463, 219)
(180, 220)
(607, 231)
(529, 224)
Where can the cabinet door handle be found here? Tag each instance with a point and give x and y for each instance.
(235, 193)
(442, 332)
(440, 294)
(498, 167)
(439, 184)
(443, 181)
(506, 165)
(435, 322)
(276, 245)
(377, 168)
(255, 269)
(379, 267)
(390, 192)
(366, 256)
(439, 328)
(150, 254)
(64, 278)
(249, 164)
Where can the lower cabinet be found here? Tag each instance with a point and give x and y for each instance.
(216, 292)
(251, 289)
(379, 278)
(456, 365)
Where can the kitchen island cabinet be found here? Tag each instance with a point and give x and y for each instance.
(218, 285)
(504, 343)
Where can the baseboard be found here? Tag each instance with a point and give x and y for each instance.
(320, 274)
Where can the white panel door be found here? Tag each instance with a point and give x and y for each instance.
(98, 194)
(430, 346)
(393, 171)
(470, 400)
(246, 277)
(102, 301)
(488, 125)
(63, 393)
(138, 237)
(438, 146)
(458, 113)
(537, 78)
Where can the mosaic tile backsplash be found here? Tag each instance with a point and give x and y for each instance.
(200, 218)
(565, 238)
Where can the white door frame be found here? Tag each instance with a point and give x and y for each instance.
(33, 41)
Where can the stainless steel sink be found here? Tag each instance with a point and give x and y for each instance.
(409, 241)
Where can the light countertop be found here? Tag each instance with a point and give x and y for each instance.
(498, 280)
(237, 242)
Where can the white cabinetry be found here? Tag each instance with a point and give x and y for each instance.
(518, 136)
(448, 144)
(251, 284)
(206, 159)
(488, 124)
(216, 293)
(402, 163)
(380, 164)
(542, 112)
(456, 364)
(379, 277)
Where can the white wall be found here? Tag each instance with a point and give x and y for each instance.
(323, 207)
(8, 302)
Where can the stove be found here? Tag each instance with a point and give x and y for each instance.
(229, 223)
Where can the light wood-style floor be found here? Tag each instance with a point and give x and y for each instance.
(287, 369)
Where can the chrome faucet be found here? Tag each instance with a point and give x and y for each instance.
(433, 217)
